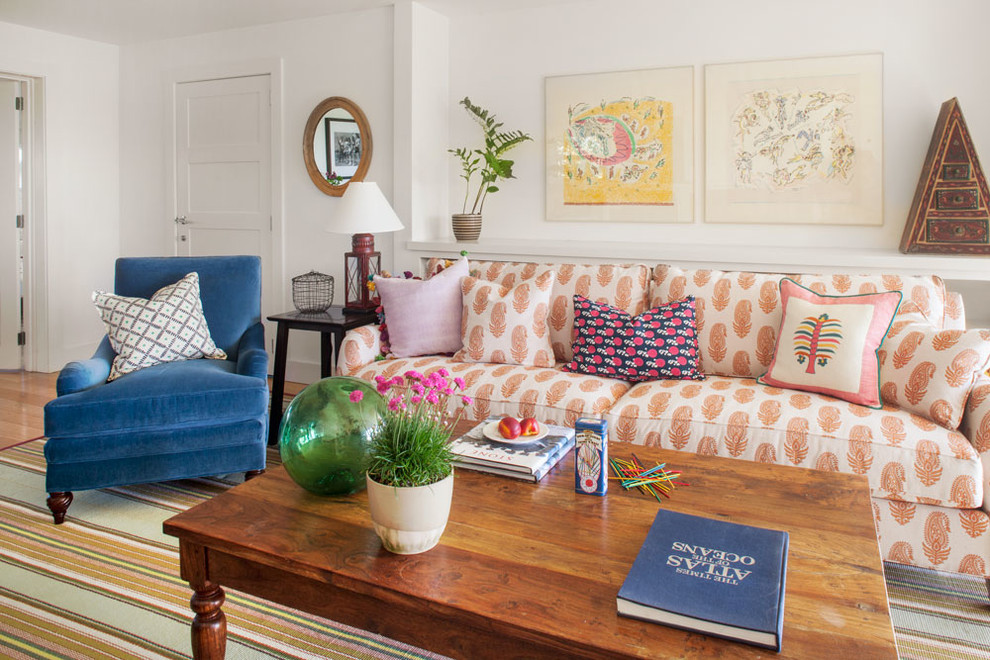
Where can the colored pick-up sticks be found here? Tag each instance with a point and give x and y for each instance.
(656, 480)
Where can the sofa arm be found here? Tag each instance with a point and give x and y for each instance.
(975, 426)
(84, 374)
(252, 360)
(361, 347)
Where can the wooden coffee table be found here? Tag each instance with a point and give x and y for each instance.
(532, 571)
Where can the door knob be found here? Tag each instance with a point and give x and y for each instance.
(181, 220)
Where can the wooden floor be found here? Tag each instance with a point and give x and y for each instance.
(23, 396)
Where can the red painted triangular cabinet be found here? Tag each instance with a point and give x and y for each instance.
(949, 214)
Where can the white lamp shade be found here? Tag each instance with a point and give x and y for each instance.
(363, 209)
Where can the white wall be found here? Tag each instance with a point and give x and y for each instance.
(932, 51)
(82, 219)
(346, 55)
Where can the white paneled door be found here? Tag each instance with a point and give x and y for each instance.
(10, 234)
(223, 165)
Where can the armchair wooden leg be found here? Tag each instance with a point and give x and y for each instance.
(59, 503)
(251, 474)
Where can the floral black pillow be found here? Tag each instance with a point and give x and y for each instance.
(661, 343)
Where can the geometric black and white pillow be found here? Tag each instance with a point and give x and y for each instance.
(167, 327)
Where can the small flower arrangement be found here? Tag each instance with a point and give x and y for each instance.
(411, 447)
(334, 179)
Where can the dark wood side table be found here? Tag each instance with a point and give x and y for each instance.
(332, 322)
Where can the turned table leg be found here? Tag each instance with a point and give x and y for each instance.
(209, 627)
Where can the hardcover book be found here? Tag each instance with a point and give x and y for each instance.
(709, 576)
(530, 461)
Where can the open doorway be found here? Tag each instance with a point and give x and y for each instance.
(12, 217)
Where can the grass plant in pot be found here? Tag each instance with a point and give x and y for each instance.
(410, 475)
(490, 165)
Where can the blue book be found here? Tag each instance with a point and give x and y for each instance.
(709, 576)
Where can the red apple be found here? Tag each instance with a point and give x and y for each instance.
(510, 428)
(530, 426)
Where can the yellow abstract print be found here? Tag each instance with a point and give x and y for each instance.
(619, 152)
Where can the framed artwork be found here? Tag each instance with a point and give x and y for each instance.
(343, 146)
(619, 146)
(795, 141)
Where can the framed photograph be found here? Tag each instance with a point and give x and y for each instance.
(619, 146)
(795, 141)
(343, 146)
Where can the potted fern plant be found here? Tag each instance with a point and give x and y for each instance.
(488, 163)
(410, 475)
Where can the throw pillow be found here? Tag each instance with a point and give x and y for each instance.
(829, 344)
(169, 326)
(658, 344)
(423, 316)
(931, 372)
(506, 325)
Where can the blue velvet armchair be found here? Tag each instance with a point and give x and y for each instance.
(178, 420)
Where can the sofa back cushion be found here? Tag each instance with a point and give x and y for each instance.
(625, 286)
(738, 314)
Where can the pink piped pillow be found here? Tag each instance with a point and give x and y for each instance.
(424, 316)
(829, 344)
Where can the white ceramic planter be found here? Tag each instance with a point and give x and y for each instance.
(410, 520)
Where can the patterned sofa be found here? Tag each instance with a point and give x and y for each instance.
(928, 482)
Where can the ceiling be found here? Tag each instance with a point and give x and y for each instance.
(134, 21)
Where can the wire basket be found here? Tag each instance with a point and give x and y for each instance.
(312, 292)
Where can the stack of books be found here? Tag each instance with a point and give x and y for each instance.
(529, 461)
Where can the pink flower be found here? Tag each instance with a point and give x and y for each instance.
(418, 388)
(466, 400)
(397, 381)
(356, 396)
(447, 391)
(413, 375)
(433, 398)
(460, 383)
(395, 404)
(416, 398)
(443, 372)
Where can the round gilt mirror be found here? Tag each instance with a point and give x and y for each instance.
(336, 145)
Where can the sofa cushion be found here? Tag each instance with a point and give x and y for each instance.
(506, 325)
(410, 330)
(738, 313)
(829, 344)
(905, 457)
(549, 395)
(189, 392)
(659, 343)
(625, 286)
(931, 372)
(168, 326)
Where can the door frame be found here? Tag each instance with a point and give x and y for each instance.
(36, 248)
(271, 67)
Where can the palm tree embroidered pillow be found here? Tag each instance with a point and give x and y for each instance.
(829, 344)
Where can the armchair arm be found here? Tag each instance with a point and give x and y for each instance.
(252, 360)
(361, 346)
(84, 374)
(975, 426)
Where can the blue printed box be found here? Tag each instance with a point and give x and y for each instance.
(591, 457)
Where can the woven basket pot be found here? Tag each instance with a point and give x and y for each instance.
(467, 226)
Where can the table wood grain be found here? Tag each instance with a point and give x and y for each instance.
(532, 570)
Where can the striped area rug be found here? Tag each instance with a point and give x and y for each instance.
(106, 585)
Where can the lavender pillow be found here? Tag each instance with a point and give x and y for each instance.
(424, 316)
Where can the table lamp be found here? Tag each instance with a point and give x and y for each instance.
(363, 211)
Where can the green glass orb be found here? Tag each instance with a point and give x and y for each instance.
(324, 436)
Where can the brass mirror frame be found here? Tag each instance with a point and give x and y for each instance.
(309, 134)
